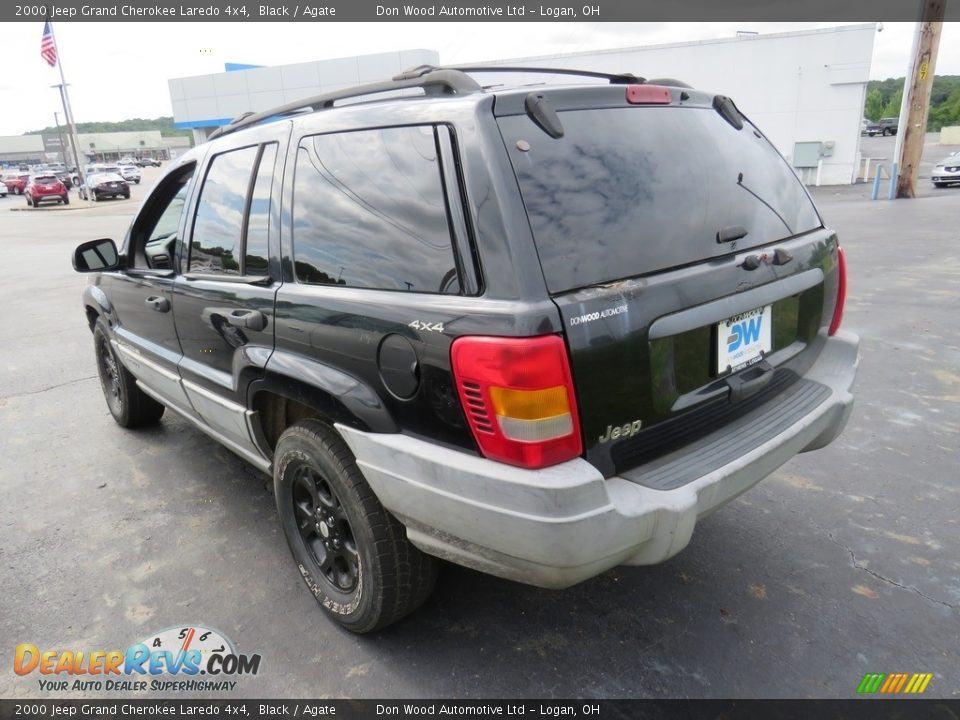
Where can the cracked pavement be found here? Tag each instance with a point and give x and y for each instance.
(845, 561)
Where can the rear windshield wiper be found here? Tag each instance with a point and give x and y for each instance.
(772, 209)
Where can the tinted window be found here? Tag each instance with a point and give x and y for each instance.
(629, 191)
(258, 222)
(215, 246)
(369, 211)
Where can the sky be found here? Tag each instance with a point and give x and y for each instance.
(118, 71)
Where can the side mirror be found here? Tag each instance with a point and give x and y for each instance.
(96, 256)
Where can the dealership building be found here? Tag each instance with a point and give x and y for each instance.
(805, 89)
(94, 147)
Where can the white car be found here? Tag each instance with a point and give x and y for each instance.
(947, 170)
(130, 173)
(100, 185)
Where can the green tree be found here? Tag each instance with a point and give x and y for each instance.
(874, 106)
(892, 108)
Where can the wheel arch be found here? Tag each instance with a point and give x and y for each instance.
(96, 304)
(284, 396)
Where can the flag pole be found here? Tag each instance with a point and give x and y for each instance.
(74, 140)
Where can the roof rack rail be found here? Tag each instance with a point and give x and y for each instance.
(613, 78)
(433, 81)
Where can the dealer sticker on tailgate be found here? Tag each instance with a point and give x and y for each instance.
(743, 339)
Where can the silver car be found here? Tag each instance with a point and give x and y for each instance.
(130, 173)
(947, 170)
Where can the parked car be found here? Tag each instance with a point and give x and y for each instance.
(61, 171)
(505, 330)
(100, 185)
(16, 182)
(884, 126)
(148, 162)
(130, 173)
(46, 188)
(947, 171)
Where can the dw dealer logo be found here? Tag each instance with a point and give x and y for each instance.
(155, 663)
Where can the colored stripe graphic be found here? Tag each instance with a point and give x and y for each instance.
(871, 682)
(923, 679)
(894, 683)
(891, 681)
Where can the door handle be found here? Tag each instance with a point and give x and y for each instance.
(160, 304)
(250, 319)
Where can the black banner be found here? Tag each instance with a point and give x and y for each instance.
(464, 10)
(864, 709)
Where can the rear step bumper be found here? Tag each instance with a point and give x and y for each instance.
(558, 526)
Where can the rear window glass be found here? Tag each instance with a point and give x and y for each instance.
(629, 191)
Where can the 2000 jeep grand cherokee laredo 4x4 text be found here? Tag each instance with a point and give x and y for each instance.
(538, 332)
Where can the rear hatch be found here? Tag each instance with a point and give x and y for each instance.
(692, 271)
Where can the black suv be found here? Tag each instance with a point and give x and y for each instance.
(538, 331)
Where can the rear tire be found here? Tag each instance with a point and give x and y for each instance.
(129, 405)
(66, 199)
(353, 555)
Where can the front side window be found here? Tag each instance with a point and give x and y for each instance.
(218, 227)
(369, 211)
(230, 229)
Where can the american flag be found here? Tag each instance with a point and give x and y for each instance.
(48, 50)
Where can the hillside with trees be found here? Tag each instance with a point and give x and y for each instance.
(163, 124)
(884, 98)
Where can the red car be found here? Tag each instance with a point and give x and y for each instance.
(16, 182)
(43, 188)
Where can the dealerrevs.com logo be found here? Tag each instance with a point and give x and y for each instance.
(188, 658)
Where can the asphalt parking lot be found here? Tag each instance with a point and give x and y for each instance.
(843, 562)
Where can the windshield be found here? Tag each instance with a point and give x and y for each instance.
(628, 191)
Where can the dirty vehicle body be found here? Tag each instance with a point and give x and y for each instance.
(538, 332)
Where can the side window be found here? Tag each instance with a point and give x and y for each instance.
(154, 233)
(369, 211)
(218, 225)
(256, 255)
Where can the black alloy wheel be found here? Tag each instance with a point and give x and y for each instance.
(325, 529)
(352, 554)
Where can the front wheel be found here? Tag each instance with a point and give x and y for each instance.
(129, 405)
(352, 554)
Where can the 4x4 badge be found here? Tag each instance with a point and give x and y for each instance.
(627, 430)
(430, 327)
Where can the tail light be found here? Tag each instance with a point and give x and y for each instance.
(841, 291)
(517, 394)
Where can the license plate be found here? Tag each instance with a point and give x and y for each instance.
(744, 339)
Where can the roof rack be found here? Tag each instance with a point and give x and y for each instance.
(613, 78)
(432, 79)
(435, 81)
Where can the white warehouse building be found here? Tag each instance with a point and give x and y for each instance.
(804, 89)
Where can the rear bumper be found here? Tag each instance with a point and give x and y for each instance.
(561, 525)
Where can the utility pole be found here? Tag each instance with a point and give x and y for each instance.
(63, 148)
(916, 100)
